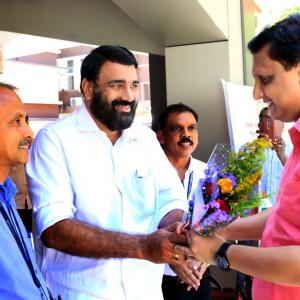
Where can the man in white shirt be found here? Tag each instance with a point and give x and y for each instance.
(178, 135)
(101, 187)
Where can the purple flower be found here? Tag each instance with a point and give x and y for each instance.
(214, 221)
(209, 185)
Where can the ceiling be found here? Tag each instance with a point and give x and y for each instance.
(168, 22)
(178, 22)
(17, 45)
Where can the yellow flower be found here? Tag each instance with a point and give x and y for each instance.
(248, 182)
(226, 185)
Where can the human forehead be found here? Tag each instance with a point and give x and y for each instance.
(10, 104)
(185, 117)
(263, 64)
(115, 71)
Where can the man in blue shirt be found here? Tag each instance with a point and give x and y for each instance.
(20, 276)
(275, 158)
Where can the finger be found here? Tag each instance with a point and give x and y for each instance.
(183, 250)
(189, 288)
(198, 270)
(181, 228)
(178, 239)
(196, 264)
(194, 280)
(188, 277)
(265, 136)
(201, 270)
(178, 258)
(172, 227)
(190, 273)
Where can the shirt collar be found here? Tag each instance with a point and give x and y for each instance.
(130, 133)
(295, 133)
(191, 166)
(8, 191)
(85, 122)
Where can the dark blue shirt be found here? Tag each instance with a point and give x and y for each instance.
(16, 279)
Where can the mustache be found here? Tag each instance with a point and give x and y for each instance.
(186, 139)
(26, 141)
(115, 103)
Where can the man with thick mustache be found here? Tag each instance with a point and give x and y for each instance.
(101, 188)
(178, 135)
(20, 276)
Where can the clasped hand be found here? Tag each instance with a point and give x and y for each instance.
(196, 248)
(185, 265)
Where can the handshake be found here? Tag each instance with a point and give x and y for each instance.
(188, 253)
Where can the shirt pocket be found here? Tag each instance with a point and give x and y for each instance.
(289, 200)
(145, 190)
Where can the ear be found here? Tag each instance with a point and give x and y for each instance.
(87, 90)
(160, 136)
(298, 71)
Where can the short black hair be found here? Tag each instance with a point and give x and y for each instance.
(284, 41)
(8, 86)
(94, 61)
(174, 108)
(262, 112)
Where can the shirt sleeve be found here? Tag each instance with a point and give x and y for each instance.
(49, 182)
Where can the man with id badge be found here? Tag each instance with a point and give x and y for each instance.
(178, 135)
(20, 276)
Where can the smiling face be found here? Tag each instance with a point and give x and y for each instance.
(15, 134)
(279, 88)
(113, 102)
(180, 136)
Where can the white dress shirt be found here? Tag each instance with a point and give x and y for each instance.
(75, 172)
(192, 176)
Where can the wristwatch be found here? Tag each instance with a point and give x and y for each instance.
(222, 262)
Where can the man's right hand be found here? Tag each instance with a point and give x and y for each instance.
(159, 246)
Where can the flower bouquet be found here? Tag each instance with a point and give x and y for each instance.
(227, 191)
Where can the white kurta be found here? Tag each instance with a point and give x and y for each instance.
(75, 172)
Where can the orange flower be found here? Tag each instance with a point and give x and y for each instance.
(226, 185)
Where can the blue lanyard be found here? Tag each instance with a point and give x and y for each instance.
(190, 183)
(22, 246)
(189, 216)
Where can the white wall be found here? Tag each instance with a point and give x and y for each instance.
(194, 73)
(35, 83)
(235, 42)
(193, 77)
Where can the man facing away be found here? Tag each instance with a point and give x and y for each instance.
(101, 187)
(178, 135)
(20, 276)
